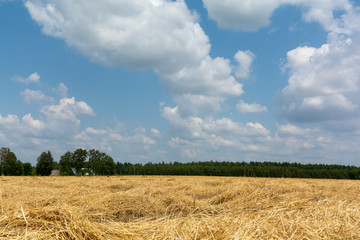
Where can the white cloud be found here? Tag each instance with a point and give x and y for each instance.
(35, 77)
(350, 19)
(251, 15)
(57, 122)
(196, 127)
(62, 119)
(137, 34)
(92, 131)
(58, 128)
(140, 136)
(244, 60)
(18, 131)
(10, 122)
(31, 96)
(246, 15)
(28, 137)
(250, 108)
(291, 130)
(31, 123)
(155, 132)
(324, 11)
(203, 88)
(210, 77)
(192, 105)
(196, 137)
(165, 36)
(324, 82)
(160, 35)
(115, 140)
(68, 108)
(298, 139)
(61, 90)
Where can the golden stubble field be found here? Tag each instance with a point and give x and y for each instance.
(168, 207)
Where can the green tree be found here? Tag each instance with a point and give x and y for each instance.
(101, 163)
(44, 164)
(94, 161)
(12, 166)
(79, 159)
(28, 169)
(19, 168)
(108, 165)
(66, 163)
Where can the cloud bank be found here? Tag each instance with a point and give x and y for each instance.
(58, 126)
(160, 35)
(323, 82)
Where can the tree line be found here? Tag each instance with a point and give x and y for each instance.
(94, 162)
(243, 169)
(79, 162)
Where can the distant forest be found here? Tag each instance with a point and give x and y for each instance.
(242, 169)
(94, 162)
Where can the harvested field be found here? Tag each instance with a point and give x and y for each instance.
(167, 207)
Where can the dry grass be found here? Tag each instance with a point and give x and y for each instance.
(178, 208)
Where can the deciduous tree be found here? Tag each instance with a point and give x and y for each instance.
(44, 164)
(66, 163)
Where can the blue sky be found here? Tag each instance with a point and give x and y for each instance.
(155, 80)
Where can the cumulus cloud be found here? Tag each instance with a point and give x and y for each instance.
(324, 13)
(35, 77)
(202, 88)
(251, 15)
(323, 82)
(291, 130)
(36, 135)
(61, 90)
(10, 122)
(211, 77)
(203, 127)
(197, 138)
(138, 34)
(114, 137)
(165, 36)
(58, 127)
(160, 35)
(58, 121)
(297, 139)
(137, 143)
(250, 108)
(246, 15)
(196, 135)
(31, 96)
(244, 60)
(62, 119)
